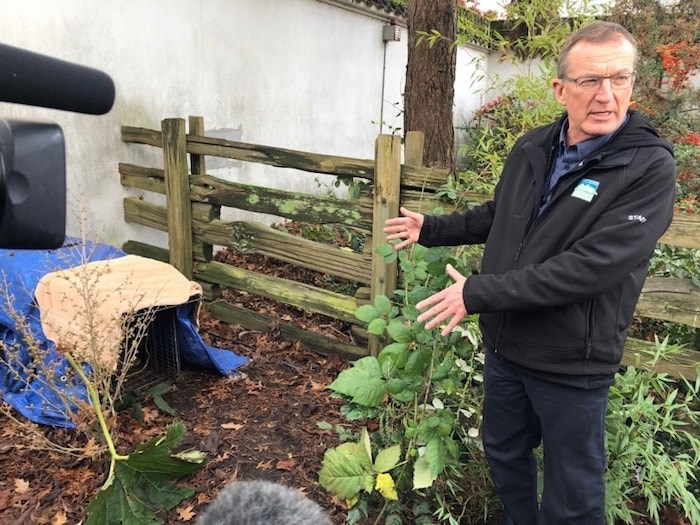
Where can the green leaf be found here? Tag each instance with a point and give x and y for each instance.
(436, 456)
(422, 476)
(383, 304)
(399, 332)
(395, 352)
(376, 326)
(128, 400)
(161, 389)
(344, 473)
(387, 459)
(366, 313)
(141, 485)
(363, 382)
(164, 406)
(387, 252)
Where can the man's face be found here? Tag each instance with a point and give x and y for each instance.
(599, 111)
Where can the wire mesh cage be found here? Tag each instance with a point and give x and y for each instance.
(150, 348)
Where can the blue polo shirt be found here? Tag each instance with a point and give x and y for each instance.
(568, 158)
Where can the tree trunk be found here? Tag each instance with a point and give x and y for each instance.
(430, 79)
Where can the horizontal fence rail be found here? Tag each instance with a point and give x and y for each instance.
(388, 184)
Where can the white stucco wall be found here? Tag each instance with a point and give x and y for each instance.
(300, 74)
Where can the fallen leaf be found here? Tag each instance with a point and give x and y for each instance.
(318, 387)
(21, 486)
(91, 448)
(264, 465)
(5, 496)
(186, 513)
(286, 464)
(59, 518)
(150, 415)
(232, 426)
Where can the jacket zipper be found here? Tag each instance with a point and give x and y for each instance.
(524, 232)
(590, 314)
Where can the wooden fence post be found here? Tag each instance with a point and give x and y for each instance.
(177, 193)
(413, 148)
(202, 212)
(387, 185)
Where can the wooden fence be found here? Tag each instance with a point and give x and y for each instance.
(193, 221)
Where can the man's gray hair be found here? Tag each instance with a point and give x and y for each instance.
(595, 32)
(262, 503)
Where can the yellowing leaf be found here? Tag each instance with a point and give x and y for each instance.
(386, 487)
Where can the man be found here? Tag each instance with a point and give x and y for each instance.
(575, 218)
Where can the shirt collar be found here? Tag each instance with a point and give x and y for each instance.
(586, 147)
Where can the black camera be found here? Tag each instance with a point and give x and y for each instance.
(32, 154)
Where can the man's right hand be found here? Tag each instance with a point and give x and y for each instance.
(407, 228)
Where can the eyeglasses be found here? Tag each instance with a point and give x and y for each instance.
(619, 81)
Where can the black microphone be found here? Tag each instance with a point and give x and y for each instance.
(38, 80)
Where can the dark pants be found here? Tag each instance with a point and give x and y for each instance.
(519, 412)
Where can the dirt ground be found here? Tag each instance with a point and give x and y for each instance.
(259, 424)
(262, 423)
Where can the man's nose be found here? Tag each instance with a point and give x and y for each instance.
(605, 89)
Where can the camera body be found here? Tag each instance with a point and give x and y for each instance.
(32, 154)
(32, 185)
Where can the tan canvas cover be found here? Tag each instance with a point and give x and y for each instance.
(82, 307)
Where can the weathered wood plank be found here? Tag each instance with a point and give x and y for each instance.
(272, 156)
(638, 353)
(146, 250)
(668, 299)
(413, 148)
(146, 214)
(262, 323)
(197, 162)
(281, 157)
(136, 135)
(291, 205)
(387, 189)
(418, 177)
(149, 179)
(387, 186)
(252, 237)
(177, 193)
(301, 295)
(684, 231)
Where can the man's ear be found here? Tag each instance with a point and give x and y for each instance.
(559, 89)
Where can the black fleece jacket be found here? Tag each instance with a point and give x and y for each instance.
(557, 292)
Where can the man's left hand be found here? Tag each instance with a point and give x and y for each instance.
(447, 305)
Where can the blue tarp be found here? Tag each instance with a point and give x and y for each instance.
(25, 387)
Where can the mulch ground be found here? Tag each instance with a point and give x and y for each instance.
(260, 424)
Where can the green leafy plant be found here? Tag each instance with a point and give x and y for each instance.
(653, 444)
(140, 484)
(423, 395)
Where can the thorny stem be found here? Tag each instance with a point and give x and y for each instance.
(95, 397)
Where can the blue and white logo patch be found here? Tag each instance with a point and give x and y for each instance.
(586, 190)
